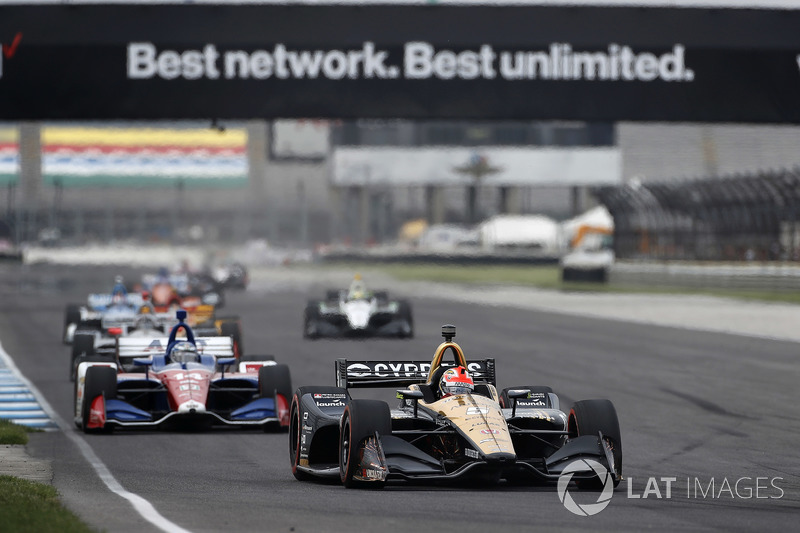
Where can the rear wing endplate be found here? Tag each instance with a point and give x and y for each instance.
(363, 374)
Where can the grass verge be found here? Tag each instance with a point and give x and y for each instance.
(30, 506)
(11, 433)
(548, 277)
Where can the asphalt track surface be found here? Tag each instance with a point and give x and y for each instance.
(694, 406)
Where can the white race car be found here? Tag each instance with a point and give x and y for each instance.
(358, 312)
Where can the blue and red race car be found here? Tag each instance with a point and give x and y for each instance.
(181, 380)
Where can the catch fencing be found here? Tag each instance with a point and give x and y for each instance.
(752, 217)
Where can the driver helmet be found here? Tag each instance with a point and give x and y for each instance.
(145, 320)
(456, 381)
(184, 352)
(358, 290)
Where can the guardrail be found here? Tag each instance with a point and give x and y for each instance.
(772, 276)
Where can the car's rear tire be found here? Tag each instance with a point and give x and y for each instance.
(72, 316)
(99, 380)
(404, 312)
(361, 420)
(82, 344)
(310, 316)
(234, 331)
(590, 417)
(89, 358)
(275, 378)
(272, 380)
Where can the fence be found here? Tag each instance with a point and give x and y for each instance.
(734, 218)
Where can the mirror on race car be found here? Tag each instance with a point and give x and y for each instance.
(516, 394)
(225, 362)
(410, 394)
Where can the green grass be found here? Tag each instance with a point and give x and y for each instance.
(11, 433)
(28, 506)
(547, 277)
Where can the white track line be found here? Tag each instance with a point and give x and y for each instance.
(142, 506)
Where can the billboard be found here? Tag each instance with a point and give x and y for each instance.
(167, 61)
(83, 156)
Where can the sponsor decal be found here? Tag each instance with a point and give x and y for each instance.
(477, 411)
(330, 404)
(401, 370)
(330, 395)
(538, 415)
(305, 416)
(469, 452)
(420, 61)
(307, 428)
(489, 431)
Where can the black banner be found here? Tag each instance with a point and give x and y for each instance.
(370, 61)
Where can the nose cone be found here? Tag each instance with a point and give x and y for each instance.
(358, 314)
(191, 407)
(501, 458)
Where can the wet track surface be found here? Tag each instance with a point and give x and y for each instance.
(694, 406)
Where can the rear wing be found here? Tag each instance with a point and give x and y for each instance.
(103, 300)
(130, 347)
(362, 374)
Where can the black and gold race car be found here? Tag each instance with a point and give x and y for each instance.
(441, 433)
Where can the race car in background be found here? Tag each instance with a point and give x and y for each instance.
(183, 289)
(186, 381)
(102, 310)
(229, 274)
(357, 312)
(451, 424)
(102, 339)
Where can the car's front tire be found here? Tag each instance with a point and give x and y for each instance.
(99, 381)
(590, 417)
(361, 420)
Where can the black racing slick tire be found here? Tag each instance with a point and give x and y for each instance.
(404, 312)
(296, 423)
(72, 315)
(234, 331)
(310, 316)
(82, 344)
(590, 417)
(295, 434)
(332, 295)
(361, 419)
(508, 403)
(273, 380)
(99, 380)
(88, 358)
